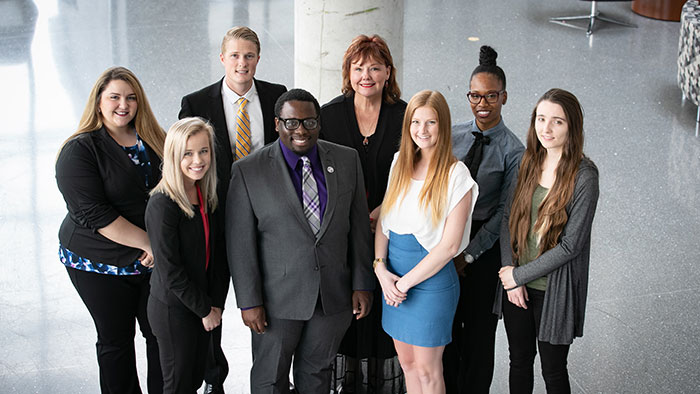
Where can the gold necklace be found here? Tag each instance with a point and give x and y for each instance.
(367, 130)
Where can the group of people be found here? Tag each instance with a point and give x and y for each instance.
(372, 245)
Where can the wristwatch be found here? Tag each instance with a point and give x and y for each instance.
(468, 258)
(377, 261)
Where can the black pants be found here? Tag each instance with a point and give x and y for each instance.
(469, 359)
(522, 327)
(115, 304)
(183, 343)
(216, 364)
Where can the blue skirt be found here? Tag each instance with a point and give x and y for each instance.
(425, 317)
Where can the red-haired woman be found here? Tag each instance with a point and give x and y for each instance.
(367, 117)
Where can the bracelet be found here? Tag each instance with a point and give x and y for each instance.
(377, 261)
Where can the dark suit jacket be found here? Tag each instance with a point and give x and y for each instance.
(179, 276)
(100, 183)
(339, 125)
(207, 103)
(274, 257)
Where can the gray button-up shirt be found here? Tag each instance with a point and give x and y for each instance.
(498, 169)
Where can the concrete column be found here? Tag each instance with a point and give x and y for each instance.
(323, 29)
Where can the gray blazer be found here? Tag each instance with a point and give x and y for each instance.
(274, 257)
(565, 265)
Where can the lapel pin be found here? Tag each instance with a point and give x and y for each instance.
(330, 169)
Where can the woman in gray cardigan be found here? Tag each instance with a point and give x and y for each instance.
(545, 244)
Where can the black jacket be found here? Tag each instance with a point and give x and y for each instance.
(207, 103)
(179, 276)
(339, 125)
(100, 183)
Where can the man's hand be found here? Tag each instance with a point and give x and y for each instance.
(361, 303)
(254, 318)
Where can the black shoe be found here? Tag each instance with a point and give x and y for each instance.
(213, 388)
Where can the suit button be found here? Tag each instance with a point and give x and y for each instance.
(315, 268)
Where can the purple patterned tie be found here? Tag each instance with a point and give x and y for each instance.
(309, 192)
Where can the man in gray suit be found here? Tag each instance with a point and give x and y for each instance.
(298, 248)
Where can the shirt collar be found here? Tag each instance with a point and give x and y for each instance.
(233, 97)
(493, 132)
(293, 159)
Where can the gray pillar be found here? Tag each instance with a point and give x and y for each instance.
(323, 29)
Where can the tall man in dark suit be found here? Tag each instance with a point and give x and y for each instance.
(241, 110)
(299, 248)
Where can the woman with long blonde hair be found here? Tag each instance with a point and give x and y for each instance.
(105, 171)
(546, 242)
(189, 281)
(424, 224)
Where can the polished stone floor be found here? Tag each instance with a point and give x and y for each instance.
(642, 331)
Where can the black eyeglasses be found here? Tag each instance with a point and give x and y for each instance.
(293, 123)
(491, 97)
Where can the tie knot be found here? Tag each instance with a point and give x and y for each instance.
(305, 161)
(242, 102)
(480, 137)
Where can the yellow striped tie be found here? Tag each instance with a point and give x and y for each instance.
(243, 139)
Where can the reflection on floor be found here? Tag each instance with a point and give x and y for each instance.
(642, 325)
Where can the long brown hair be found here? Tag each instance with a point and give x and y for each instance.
(551, 216)
(144, 122)
(433, 195)
(363, 47)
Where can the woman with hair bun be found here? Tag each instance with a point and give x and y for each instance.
(492, 153)
(546, 244)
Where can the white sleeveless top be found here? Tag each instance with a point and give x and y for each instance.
(408, 217)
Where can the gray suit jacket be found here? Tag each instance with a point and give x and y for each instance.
(274, 257)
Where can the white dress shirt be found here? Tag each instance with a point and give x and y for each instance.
(257, 127)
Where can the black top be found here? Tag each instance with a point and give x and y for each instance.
(100, 183)
(339, 125)
(179, 274)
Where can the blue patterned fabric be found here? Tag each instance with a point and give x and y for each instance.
(72, 260)
(139, 156)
